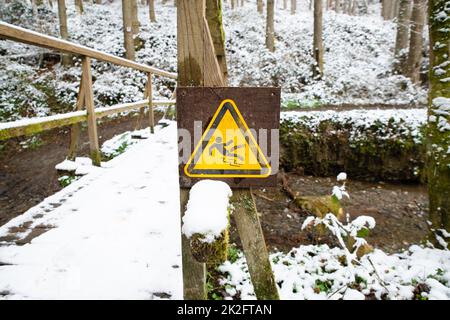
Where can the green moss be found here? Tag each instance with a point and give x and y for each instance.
(368, 154)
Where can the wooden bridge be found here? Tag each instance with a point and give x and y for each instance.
(85, 108)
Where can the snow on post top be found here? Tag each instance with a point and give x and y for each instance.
(207, 209)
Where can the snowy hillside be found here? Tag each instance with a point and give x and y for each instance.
(358, 58)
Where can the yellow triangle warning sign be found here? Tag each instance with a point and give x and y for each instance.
(227, 148)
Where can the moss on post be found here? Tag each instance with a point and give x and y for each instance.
(438, 135)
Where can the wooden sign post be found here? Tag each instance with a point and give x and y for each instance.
(201, 91)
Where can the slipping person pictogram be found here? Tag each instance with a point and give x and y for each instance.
(226, 149)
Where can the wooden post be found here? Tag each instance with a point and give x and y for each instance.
(259, 6)
(151, 113)
(318, 42)
(255, 250)
(76, 127)
(91, 118)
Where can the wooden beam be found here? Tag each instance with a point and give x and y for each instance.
(247, 221)
(18, 34)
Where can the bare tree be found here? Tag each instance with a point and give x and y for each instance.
(232, 4)
(128, 29)
(79, 6)
(259, 6)
(151, 10)
(293, 6)
(438, 133)
(416, 40)
(337, 6)
(318, 42)
(284, 4)
(270, 31)
(63, 30)
(402, 37)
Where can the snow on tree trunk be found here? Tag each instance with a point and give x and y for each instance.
(64, 32)
(438, 135)
(318, 43)
(293, 6)
(270, 32)
(151, 10)
(127, 29)
(402, 37)
(416, 40)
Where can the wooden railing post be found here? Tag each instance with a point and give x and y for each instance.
(151, 114)
(91, 117)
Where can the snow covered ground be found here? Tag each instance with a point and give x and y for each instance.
(358, 58)
(116, 232)
(318, 273)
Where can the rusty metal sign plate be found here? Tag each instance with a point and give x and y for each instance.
(228, 134)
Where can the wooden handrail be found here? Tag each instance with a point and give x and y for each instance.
(18, 34)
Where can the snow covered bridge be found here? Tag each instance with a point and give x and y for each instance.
(113, 234)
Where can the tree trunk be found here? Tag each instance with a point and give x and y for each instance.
(318, 43)
(98, 1)
(134, 15)
(270, 31)
(416, 40)
(62, 15)
(284, 4)
(232, 4)
(293, 6)
(79, 6)
(214, 18)
(127, 29)
(151, 9)
(259, 6)
(438, 137)
(354, 7)
(402, 37)
(386, 6)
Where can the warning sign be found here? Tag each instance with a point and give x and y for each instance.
(228, 134)
(228, 148)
